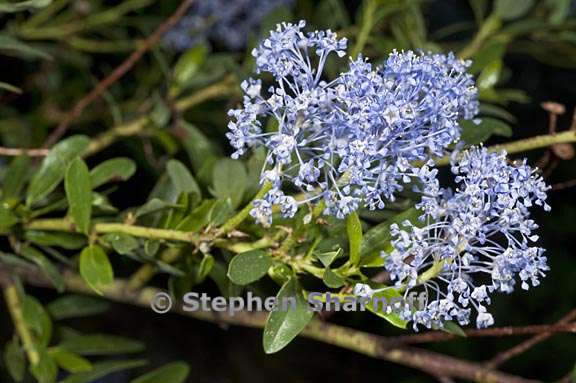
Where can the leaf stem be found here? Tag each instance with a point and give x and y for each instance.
(236, 220)
(14, 304)
(63, 224)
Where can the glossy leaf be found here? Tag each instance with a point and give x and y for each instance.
(389, 295)
(286, 322)
(101, 344)
(512, 9)
(489, 75)
(181, 178)
(70, 362)
(46, 370)
(249, 267)
(332, 280)
(79, 194)
(23, 5)
(67, 241)
(205, 267)
(202, 153)
(15, 179)
(229, 180)
(189, 64)
(115, 169)
(37, 319)
(102, 369)
(378, 237)
(175, 372)
(14, 359)
(95, 268)
(47, 267)
(54, 166)
(76, 306)
(354, 230)
(473, 134)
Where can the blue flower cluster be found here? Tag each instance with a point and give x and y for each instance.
(226, 22)
(353, 140)
(470, 242)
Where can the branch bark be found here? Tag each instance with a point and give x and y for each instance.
(358, 341)
(118, 73)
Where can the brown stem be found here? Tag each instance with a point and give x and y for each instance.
(437, 336)
(358, 341)
(118, 73)
(527, 344)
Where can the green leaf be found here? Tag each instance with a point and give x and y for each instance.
(15, 179)
(37, 319)
(102, 369)
(45, 371)
(79, 194)
(389, 294)
(47, 267)
(198, 218)
(122, 243)
(175, 372)
(473, 134)
(452, 328)
(229, 180)
(249, 267)
(7, 218)
(286, 322)
(328, 257)
(70, 362)
(95, 267)
(560, 9)
(115, 169)
(332, 280)
(489, 75)
(491, 52)
(15, 47)
(354, 230)
(15, 360)
(201, 151)
(67, 241)
(101, 344)
(76, 306)
(24, 5)
(205, 267)
(181, 178)
(512, 9)
(153, 206)
(53, 167)
(189, 64)
(378, 237)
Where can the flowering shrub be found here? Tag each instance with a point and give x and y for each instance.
(284, 165)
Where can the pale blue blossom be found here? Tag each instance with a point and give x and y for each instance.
(471, 242)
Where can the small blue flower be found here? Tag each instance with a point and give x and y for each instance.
(352, 141)
(471, 242)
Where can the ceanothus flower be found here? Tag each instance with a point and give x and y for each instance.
(226, 22)
(353, 141)
(471, 242)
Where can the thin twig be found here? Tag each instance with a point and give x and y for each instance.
(15, 152)
(563, 185)
(527, 344)
(438, 336)
(118, 73)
